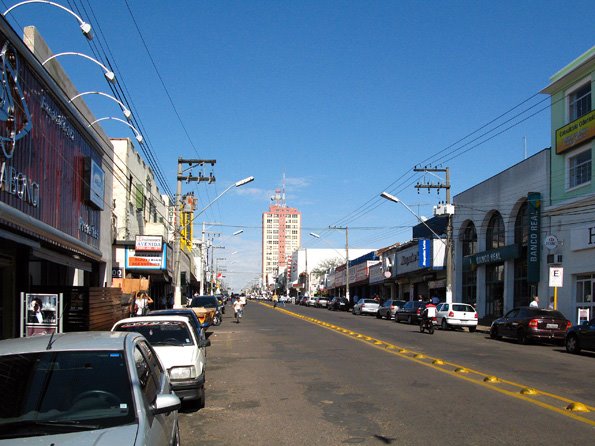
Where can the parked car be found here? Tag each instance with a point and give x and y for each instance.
(389, 308)
(303, 300)
(368, 306)
(98, 388)
(338, 303)
(181, 351)
(527, 323)
(410, 312)
(211, 304)
(321, 302)
(581, 337)
(311, 301)
(455, 314)
(191, 315)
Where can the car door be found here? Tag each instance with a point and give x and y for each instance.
(441, 312)
(508, 327)
(156, 429)
(588, 336)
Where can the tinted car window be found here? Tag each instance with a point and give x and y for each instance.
(512, 313)
(204, 301)
(536, 312)
(408, 306)
(148, 382)
(461, 307)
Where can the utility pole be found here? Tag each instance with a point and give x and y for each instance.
(177, 227)
(346, 229)
(447, 209)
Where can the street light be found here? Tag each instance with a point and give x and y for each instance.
(177, 272)
(85, 27)
(127, 113)
(109, 75)
(313, 234)
(447, 244)
(138, 136)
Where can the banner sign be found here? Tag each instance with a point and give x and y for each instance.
(152, 243)
(577, 132)
(533, 242)
(424, 253)
(145, 260)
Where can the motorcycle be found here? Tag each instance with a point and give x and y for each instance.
(426, 324)
(217, 319)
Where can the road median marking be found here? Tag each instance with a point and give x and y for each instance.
(564, 406)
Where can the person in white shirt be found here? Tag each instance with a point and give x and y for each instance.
(238, 307)
(535, 302)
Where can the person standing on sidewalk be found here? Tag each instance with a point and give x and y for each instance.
(535, 302)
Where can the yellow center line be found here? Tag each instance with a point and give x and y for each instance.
(521, 391)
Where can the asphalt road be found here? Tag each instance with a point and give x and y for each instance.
(296, 375)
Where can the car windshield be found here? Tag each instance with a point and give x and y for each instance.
(204, 301)
(64, 391)
(160, 333)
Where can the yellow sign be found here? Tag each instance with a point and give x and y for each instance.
(578, 131)
(186, 231)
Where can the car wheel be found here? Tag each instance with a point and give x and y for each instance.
(494, 333)
(444, 324)
(572, 345)
(472, 329)
(378, 315)
(522, 337)
(201, 401)
(353, 311)
(176, 440)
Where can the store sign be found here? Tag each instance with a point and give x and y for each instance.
(424, 253)
(144, 260)
(408, 260)
(18, 184)
(151, 243)
(534, 243)
(577, 132)
(582, 238)
(493, 256)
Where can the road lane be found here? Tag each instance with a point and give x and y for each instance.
(277, 379)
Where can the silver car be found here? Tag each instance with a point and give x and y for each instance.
(367, 306)
(88, 388)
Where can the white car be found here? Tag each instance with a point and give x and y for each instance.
(180, 349)
(311, 302)
(456, 315)
(369, 306)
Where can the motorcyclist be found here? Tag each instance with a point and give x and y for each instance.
(429, 313)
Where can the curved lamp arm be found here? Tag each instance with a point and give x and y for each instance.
(139, 137)
(127, 113)
(85, 27)
(109, 75)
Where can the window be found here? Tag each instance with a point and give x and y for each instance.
(584, 288)
(495, 232)
(579, 102)
(579, 169)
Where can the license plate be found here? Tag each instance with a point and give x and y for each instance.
(552, 326)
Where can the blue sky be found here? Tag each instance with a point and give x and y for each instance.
(344, 98)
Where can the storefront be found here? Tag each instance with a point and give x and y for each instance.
(53, 228)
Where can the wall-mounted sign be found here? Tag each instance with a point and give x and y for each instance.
(97, 185)
(556, 276)
(551, 242)
(151, 243)
(145, 260)
(577, 132)
(582, 238)
(534, 236)
(424, 253)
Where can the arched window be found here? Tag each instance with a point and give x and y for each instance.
(469, 240)
(495, 232)
(521, 237)
(469, 247)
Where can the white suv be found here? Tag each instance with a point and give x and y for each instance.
(456, 315)
(181, 351)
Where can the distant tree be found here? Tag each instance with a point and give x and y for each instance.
(325, 265)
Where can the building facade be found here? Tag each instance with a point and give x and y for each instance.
(571, 210)
(498, 236)
(55, 206)
(281, 236)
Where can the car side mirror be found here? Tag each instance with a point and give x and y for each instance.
(166, 402)
(204, 343)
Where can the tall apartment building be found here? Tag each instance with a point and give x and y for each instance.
(281, 236)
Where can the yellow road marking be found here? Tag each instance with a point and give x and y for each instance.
(519, 391)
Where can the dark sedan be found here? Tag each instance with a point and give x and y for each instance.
(191, 315)
(338, 303)
(410, 312)
(527, 323)
(581, 337)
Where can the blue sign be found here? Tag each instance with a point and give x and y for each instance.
(425, 253)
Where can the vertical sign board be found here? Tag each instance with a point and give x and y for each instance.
(425, 253)
(583, 315)
(533, 243)
(556, 276)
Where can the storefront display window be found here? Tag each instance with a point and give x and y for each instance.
(494, 290)
(584, 289)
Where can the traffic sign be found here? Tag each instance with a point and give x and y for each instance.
(556, 276)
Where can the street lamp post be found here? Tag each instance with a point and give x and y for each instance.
(177, 272)
(109, 75)
(447, 243)
(127, 113)
(138, 136)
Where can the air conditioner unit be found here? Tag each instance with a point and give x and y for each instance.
(444, 209)
(554, 258)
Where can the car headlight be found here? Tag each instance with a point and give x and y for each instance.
(186, 372)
